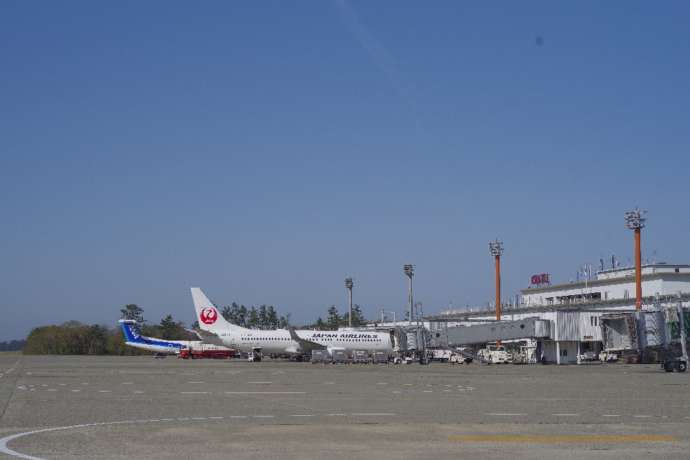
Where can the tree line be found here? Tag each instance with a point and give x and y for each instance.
(267, 317)
(76, 338)
(263, 317)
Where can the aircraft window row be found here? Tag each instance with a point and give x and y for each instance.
(267, 338)
(316, 340)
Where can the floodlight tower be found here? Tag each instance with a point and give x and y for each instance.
(409, 271)
(635, 221)
(496, 250)
(348, 285)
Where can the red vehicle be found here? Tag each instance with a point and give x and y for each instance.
(206, 353)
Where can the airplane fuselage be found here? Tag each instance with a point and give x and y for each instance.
(279, 341)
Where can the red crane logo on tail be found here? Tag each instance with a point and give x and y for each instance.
(208, 315)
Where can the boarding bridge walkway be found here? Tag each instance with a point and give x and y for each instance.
(528, 328)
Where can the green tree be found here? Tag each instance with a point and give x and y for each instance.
(232, 313)
(333, 320)
(263, 317)
(242, 316)
(133, 311)
(284, 321)
(226, 312)
(253, 318)
(320, 324)
(272, 317)
(171, 329)
(357, 317)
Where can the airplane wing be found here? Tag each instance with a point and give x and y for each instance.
(306, 346)
(209, 337)
(195, 332)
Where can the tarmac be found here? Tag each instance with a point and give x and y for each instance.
(98, 407)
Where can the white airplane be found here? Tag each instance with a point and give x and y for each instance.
(215, 329)
(169, 347)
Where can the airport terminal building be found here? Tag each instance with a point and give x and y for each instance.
(564, 320)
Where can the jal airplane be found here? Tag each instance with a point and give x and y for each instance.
(215, 329)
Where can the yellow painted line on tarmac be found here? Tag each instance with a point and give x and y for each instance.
(563, 439)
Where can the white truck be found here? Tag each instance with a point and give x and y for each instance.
(494, 354)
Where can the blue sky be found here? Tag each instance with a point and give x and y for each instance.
(266, 150)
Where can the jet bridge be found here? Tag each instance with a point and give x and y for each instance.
(528, 328)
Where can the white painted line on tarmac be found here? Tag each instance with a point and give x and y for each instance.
(329, 383)
(128, 383)
(337, 415)
(105, 391)
(427, 391)
(373, 414)
(7, 451)
(382, 383)
(259, 383)
(265, 392)
(566, 415)
(238, 416)
(263, 416)
(610, 415)
(397, 391)
(506, 414)
(52, 389)
(642, 416)
(302, 415)
(138, 392)
(194, 392)
(196, 382)
(407, 384)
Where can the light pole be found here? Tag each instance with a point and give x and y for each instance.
(348, 286)
(635, 221)
(496, 249)
(409, 271)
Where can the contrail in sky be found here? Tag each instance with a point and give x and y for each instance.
(378, 53)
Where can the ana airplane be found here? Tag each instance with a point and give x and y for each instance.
(215, 329)
(169, 347)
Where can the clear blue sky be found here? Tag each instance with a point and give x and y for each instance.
(266, 150)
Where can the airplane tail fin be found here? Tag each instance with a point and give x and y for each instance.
(207, 313)
(130, 330)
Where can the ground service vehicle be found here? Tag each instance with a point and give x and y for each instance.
(494, 354)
